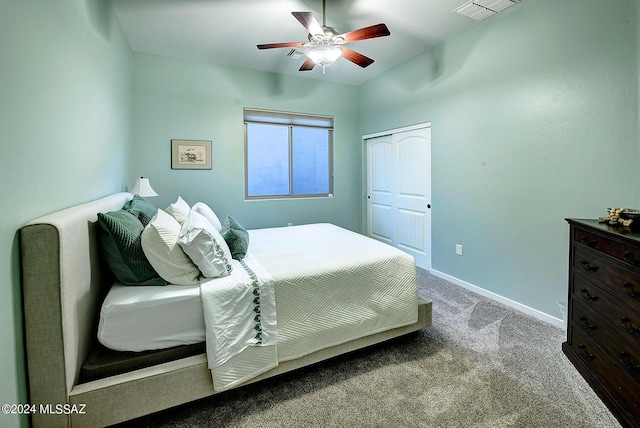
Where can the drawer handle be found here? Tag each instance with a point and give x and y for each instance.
(585, 241)
(589, 267)
(627, 258)
(586, 355)
(585, 324)
(586, 296)
(628, 365)
(628, 289)
(626, 324)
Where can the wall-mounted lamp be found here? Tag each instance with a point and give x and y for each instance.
(143, 188)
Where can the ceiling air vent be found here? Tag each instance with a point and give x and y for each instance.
(295, 54)
(482, 9)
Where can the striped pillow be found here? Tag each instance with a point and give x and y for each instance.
(141, 208)
(122, 249)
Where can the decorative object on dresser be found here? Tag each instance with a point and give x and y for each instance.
(622, 217)
(603, 331)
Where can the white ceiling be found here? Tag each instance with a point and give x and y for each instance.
(227, 31)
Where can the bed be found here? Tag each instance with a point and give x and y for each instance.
(66, 286)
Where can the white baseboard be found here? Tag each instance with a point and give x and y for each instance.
(558, 322)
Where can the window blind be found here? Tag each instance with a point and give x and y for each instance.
(287, 118)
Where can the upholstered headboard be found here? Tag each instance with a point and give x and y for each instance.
(62, 282)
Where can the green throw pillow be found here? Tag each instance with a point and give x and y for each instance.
(236, 238)
(122, 249)
(141, 208)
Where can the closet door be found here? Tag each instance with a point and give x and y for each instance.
(399, 191)
(380, 189)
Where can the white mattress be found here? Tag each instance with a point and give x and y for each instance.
(331, 286)
(151, 317)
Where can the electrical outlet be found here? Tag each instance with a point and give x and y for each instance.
(289, 224)
(459, 249)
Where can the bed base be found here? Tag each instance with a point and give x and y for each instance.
(125, 396)
(63, 283)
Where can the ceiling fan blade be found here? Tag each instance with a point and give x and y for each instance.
(379, 30)
(307, 65)
(280, 45)
(356, 58)
(309, 21)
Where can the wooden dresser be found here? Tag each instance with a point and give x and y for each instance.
(603, 331)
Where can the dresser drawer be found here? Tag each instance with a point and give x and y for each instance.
(625, 319)
(615, 249)
(618, 280)
(624, 349)
(620, 387)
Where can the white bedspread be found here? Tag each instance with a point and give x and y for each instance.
(240, 318)
(331, 286)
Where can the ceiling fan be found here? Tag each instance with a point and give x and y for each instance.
(325, 43)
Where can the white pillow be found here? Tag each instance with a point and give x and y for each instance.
(203, 243)
(160, 245)
(202, 208)
(179, 210)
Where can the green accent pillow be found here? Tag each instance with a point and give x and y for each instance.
(141, 208)
(236, 238)
(122, 249)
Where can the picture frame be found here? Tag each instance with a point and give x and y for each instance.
(190, 154)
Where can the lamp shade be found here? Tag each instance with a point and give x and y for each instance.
(143, 188)
(323, 54)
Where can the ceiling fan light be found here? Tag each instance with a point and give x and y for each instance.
(323, 54)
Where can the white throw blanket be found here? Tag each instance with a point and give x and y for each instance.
(240, 321)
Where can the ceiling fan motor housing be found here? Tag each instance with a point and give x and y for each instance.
(330, 37)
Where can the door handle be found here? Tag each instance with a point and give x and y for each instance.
(428, 206)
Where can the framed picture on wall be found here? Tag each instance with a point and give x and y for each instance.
(190, 154)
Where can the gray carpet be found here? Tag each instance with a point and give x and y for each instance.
(481, 364)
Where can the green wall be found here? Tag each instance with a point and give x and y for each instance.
(534, 118)
(178, 99)
(65, 135)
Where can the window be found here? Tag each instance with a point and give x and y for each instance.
(287, 155)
